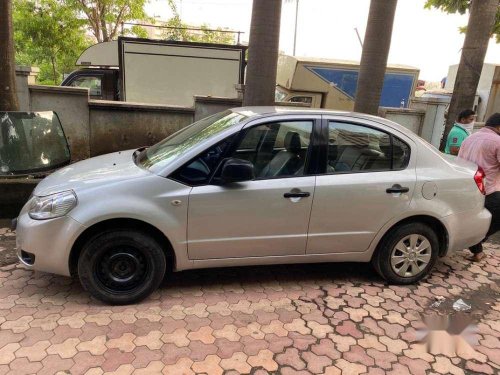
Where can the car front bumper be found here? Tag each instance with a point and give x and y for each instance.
(45, 245)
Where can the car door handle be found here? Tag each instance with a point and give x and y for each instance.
(302, 194)
(395, 189)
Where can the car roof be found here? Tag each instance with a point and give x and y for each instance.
(270, 111)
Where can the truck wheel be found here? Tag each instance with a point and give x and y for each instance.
(121, 266)
(407, 254)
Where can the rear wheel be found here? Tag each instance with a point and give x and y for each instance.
(121, 266)
(407, 254)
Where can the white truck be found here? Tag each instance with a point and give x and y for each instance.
(159, 72)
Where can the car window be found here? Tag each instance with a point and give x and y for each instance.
(401, 153)
(279, 95)
(200, 170)
(302, 99)
(357, 148)
(276, 149)
(93, 83)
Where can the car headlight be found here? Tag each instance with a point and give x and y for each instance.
(52, 206)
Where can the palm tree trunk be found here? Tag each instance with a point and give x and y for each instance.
(479, 29)
(263, 53)
(8, 96)
(375, 53)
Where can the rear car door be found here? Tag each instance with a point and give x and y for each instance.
(269, 215)
(369, 178)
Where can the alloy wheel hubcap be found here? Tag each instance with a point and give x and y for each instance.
(411, 255)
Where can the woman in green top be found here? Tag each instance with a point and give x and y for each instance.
(461, 130)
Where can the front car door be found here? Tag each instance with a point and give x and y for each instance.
(368, 179)
(268, 216)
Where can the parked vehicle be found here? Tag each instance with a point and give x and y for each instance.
(331, 84)
(253, 186)
(155, 71)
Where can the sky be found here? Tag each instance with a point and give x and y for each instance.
(426, 39)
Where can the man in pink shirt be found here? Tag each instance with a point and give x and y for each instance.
(483, 148)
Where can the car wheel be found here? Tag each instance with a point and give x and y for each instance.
(407, 254)
(121, 267)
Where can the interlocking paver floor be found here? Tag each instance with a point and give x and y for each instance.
(300, 319)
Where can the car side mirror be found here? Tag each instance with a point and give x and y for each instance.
(237, 170)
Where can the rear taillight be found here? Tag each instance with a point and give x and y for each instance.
(479, 179)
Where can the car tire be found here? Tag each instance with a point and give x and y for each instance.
(407, 254)
(121, 266)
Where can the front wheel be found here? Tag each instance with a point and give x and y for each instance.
(121, 267)
(407, 254)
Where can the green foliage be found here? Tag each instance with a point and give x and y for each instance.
(461, 6)
(48, 34)
(205, 35)
(105, 17)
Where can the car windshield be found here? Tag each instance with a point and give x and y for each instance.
(31, 142)
(156, 157)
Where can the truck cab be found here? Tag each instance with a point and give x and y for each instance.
(311, 99)
(101, 82)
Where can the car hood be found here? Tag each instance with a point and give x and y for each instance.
(92, 172)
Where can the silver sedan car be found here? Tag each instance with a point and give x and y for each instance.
(253, 186)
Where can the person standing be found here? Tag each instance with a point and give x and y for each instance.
(483, 148)
(461, 130)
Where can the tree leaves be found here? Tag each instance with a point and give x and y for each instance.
(461, 6)
(48, 34)
(105, 17)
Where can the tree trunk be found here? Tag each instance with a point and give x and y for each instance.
(104, 29)
(54, 73)
(376, 48)
(263, 53)
(8, 96)
(479, 29)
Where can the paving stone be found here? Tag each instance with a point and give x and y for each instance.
(21, 366)
(444, 366)
(84, 361)
(291, 357)
(96, 346)
(349, 328)
(114, 359)
(181, 367)
(143, 356)
(34, 353)
(259, 320)
(382, 359)
(252, 346)
(7, 353)
(358, 354)
(237, 362)
(315, 363)
(349, 368)
(172, 353)
(416, 366)
(210, 365)
(481, 368)
(53, 363)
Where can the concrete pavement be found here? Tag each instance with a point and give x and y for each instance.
(300, 319)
